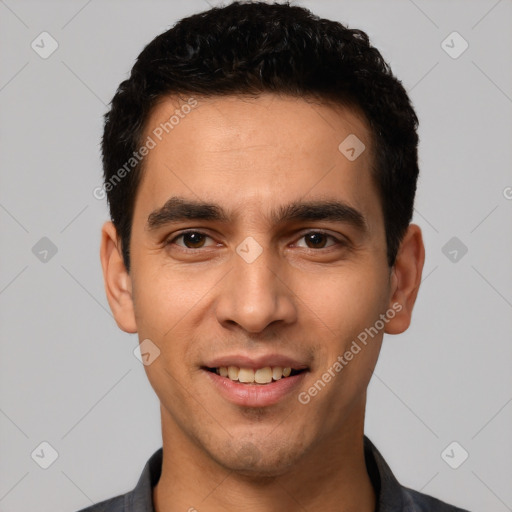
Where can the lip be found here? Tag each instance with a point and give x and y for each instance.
(255, 395)
(243, 361)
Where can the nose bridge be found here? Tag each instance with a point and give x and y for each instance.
(253, 295)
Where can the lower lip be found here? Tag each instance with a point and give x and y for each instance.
(255, 395)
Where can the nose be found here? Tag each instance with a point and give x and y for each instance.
(255, 295)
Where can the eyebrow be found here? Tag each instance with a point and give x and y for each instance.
(178, 209)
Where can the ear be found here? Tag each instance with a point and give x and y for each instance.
(118, 286)
(405, 279)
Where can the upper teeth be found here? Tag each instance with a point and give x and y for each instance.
(248, 375)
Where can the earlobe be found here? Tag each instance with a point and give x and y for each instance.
(405, 279)
(116, 279)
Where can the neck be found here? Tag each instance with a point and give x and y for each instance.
(332, 476)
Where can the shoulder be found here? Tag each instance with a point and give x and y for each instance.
(140, 498)
(391, 495)
(115, 504)
(415, 501)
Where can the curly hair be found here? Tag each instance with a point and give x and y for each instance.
(253, 48)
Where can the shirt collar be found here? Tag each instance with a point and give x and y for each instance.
(141, 498)
(388, 491)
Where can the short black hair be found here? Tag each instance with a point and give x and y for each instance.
(250, 48)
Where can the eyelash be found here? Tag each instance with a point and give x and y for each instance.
(317, 232)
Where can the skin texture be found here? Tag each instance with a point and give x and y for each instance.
(306, 301)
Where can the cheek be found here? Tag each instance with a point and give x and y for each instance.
(170, 308)
(346, 301)
(163, 297)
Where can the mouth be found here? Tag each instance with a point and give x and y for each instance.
(260, 376)
(255, 382)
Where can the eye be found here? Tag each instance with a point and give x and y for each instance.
(191, 240)
(318, 240)
(198, 240)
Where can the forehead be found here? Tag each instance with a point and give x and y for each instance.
(230, 123)
(256, 152)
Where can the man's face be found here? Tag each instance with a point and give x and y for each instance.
(254, 287)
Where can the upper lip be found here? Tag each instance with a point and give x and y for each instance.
(244, 361)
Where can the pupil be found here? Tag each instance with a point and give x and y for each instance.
(193, 239)
(316, 239)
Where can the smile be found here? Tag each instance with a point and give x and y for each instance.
(264, 375)
(243, 389)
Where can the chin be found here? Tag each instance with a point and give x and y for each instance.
(255, 461)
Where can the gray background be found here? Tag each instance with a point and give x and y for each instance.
(68, 376)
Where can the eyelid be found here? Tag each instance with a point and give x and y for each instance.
(175, 236)
(338, 241)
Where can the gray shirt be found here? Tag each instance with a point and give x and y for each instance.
(391, 496)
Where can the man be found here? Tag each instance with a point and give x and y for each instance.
(261, 166)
